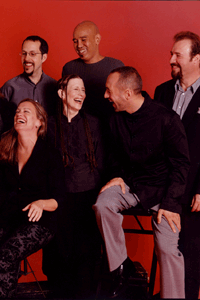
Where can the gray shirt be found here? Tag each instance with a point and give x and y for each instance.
(21, 87)
(182, 98)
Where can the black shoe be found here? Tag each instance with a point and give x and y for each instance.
(120, 277)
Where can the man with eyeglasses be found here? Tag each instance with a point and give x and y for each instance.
(33, 83)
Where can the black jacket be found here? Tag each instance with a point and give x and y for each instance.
(164, 93)
(42, 177)
(151, 152)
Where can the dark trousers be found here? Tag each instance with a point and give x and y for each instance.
(190, 247)
(69, 260)
(15, 245)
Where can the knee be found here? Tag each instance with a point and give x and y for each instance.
(105, 204)
(100, 206)
(166, 248)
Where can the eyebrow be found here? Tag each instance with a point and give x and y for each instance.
(80, 37)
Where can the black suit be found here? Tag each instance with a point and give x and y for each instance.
(190, 236)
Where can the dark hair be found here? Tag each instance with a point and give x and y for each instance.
(9, 143)
(44, 48)
(129, 76)
(194, 38)
(62, 84)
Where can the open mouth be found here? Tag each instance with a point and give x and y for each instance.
(20, 121)
(81, 52)
(27, 64)
(78, 100)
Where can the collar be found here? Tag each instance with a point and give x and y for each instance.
(193, 87)
(145, 105)
(29, 80)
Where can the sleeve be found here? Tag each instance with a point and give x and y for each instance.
(7, 91)
(177, 154)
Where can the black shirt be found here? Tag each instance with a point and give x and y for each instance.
(42, 177)
(151, 154)
(78, 174)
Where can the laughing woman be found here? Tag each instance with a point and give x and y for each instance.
(78, 137)
(31, 186)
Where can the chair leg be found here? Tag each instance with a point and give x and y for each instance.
(152, 274)
(35, 278)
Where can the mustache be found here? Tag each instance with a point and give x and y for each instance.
(175, 65)
(29, 62)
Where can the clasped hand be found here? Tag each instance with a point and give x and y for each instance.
(35, 210)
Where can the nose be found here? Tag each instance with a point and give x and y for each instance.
(172, 59)
(106, 95)
(79, 44)
(82, 94)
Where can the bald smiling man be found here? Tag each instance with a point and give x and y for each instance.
(92, 67)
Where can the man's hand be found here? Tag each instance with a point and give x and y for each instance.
(35, 210)
(172, 218)
(115, 181)
(196, 203)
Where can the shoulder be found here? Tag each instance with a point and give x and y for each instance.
(165, 116)
(47, 150)
(13, 81)
(113, 62)
(47, 78)
(165, 85)
(94, 122)
(91, 119)
(72, 63)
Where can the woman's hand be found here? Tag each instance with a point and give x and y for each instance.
(35, 210)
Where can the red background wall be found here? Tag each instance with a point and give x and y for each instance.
(138, 33)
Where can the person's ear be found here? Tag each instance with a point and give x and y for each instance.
(196, 59)
(44, 57)
(98, 38)
(38, 123)
(60, 93)
(127, 94)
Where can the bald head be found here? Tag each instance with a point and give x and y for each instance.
(89, 25)
(86, 38)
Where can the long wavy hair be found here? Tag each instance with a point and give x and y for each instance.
(9, 142)
(62, 84)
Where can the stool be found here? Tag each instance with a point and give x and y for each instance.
(135, 212)
(25, 272)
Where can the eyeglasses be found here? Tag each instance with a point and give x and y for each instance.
(31, 54)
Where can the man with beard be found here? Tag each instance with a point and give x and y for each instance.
(33, 83)
(182, 94)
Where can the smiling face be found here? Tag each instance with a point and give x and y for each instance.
(32, 64)
(75, 95)
(114, 94)
(86, 42)
(26, 118)
(182, 65)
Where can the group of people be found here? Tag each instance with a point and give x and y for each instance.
(106, 147)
